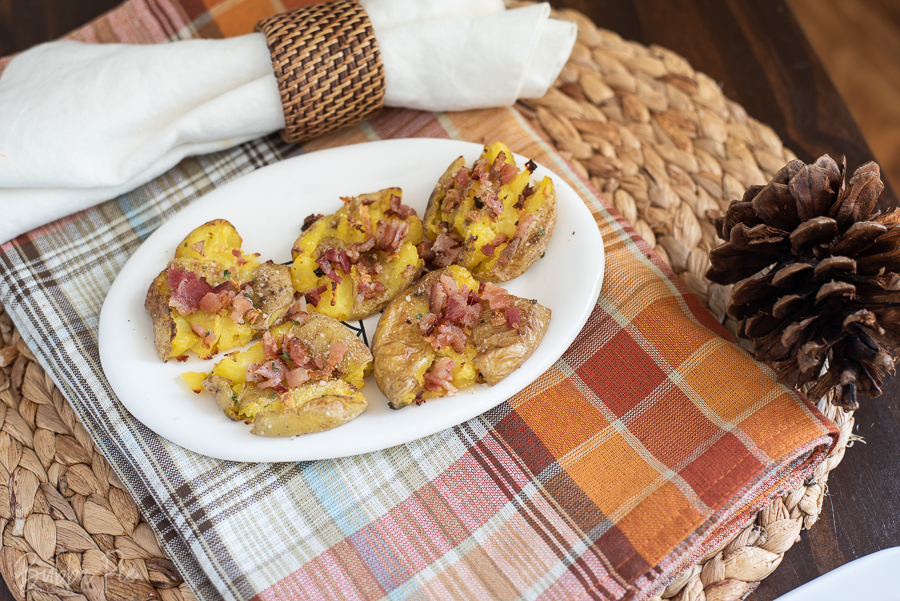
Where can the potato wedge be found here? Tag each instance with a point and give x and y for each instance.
(350, 264)
(304, 376)
(491, 219)
(426, 346)
(222, 299)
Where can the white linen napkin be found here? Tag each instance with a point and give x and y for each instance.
(83, 123)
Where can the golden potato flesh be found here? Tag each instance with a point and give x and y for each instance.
(491, 218)
(214, 297)
(425, 343)
(303, 377)
(350, 264)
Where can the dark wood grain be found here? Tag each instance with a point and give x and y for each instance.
(762, 59)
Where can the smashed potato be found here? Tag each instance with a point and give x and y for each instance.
(351, 264)
(303, 377)
(214, 297)
(449, 331)
(490, 218)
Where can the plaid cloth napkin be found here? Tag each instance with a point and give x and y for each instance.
(651, 439)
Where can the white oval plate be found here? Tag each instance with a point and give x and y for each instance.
(267, 207)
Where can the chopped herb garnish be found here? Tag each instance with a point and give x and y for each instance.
(234, 397)
(185, 244)
(541, 232)
(272, 396)
(542, 254)
(419, 316)
(227, 274)
(285, 356)
(296, 323)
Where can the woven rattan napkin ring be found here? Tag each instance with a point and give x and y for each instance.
(328, 67)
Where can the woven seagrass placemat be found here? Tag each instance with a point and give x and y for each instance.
(659, 139)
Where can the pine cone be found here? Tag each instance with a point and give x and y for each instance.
(825, 290)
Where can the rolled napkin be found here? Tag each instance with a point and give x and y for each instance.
(83, 123)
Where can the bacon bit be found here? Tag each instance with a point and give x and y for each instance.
(425, 252)
(208, 336)
(473, 313)
(474, 215)
(462, 177)
(527, 192)
(297, 352)
(473, 296)
(449, 334)
(389, 235)
(497, 297)
(427, 323)
(335, 356)
(333, 293)
(239, 306)
(446, 249)
(398, 208)
(523, 225)
(198, 247)
(295, 313)
(268, 375)
(212, 302)
(440, 375)
(452, 199)
(187, 289)
(369, 289)
(531, 166)
(367, 266)
(361, 247)
(480, 167)
(315, 295)
(269, 345)
(457, 305)
(497, 165)
(252, 315)
(310, 219)
(325, 265)
(437, 299)
(239, 257)
(296, 377)
(498, 317)
(513, 317)
(508, 173)
(489, 195)
(340, 257)
(488, 249)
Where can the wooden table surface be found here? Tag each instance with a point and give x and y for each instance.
(760, 56)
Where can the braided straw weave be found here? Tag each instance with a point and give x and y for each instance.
(327, 65)
(658, 138)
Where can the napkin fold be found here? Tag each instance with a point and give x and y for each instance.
(82, 123)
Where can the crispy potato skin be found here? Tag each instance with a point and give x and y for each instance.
(157, 305)
(520, 253)
(318, 415)
(354, 224)
(502, 350)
